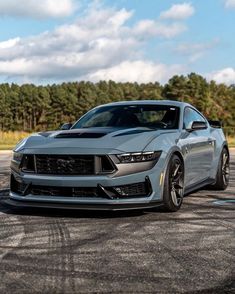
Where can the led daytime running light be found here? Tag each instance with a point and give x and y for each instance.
(139, 156)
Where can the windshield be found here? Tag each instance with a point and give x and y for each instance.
(131, 116)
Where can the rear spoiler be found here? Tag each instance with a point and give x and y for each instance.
(215, 124)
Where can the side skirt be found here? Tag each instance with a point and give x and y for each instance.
(198, 186)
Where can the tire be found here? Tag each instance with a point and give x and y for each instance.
(222, 176)
(174, 185)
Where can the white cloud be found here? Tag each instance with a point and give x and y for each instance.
(225, 76)
(196, 50)
(9, 43)
(148, 28)
(99, 45)
(230, 3)
(137, 71)
(120, 18)
(178, 11)
(37, 8)
(88, 44)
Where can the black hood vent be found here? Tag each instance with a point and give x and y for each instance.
(80, 135)
(134, 132)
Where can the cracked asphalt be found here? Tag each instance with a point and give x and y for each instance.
(57, 251)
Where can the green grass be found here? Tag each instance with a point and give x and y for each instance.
(231, 141)
(9, 139)
(6, 147)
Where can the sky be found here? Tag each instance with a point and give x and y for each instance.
(52, 41)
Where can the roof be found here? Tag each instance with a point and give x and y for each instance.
(154, 102)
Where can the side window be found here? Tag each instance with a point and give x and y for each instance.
(190, 116)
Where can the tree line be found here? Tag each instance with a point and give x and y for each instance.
(32, 108)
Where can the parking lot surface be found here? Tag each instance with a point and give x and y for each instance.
(56, 251)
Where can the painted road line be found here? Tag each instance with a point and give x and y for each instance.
(225, 202)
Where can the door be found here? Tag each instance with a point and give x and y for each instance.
(198, 149)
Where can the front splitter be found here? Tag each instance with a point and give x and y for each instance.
(110, 207)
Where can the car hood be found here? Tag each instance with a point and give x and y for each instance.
(90, 141)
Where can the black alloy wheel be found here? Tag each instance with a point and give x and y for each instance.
(174, 184)
(223, 172)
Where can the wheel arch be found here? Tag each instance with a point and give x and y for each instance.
(179, 155)
(174, 151)
(226, 147)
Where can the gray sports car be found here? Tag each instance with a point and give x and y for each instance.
(123, 155)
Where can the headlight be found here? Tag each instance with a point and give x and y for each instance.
(139, 156)
(20, 145)
(17, 157)
(16, 161)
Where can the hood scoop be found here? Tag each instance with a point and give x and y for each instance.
(80, 135)
(45, 134)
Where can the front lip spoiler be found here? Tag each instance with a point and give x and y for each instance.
(109, 207)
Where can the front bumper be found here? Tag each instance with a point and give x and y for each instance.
(151, 198)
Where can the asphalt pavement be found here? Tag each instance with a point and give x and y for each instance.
(56, 251)
(5, 157)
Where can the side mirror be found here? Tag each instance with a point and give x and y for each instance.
(215, 124)
(196, 126)
(66, 127)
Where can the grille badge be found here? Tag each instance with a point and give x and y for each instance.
(65, 164)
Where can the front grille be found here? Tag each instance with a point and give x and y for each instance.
(65, 164)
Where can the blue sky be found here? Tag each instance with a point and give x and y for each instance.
(50, 41)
